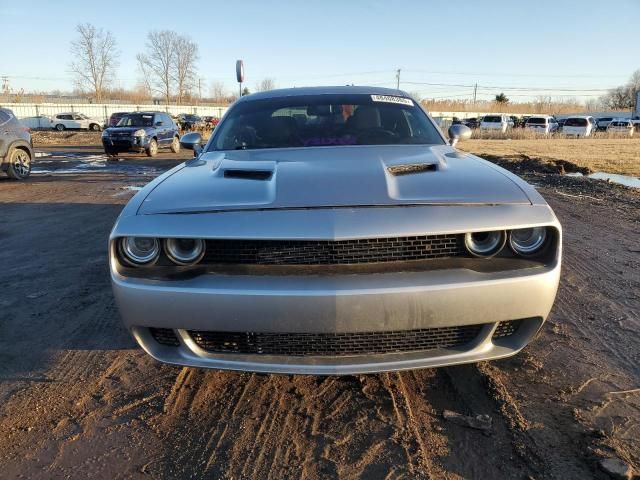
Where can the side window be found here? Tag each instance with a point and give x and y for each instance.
(167, 120)
(4, 117)
(77, 117)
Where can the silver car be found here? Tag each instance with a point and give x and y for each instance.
(333, 231)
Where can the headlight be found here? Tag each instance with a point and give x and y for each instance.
(527, 241)
(184, 251)
(139, 133)
(105, 133)
(140, 250)
(485, 244)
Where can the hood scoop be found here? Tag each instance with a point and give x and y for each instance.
(410, 168)
(248, 174)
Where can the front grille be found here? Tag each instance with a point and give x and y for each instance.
(327, 252)
(164, 336)
(335, 344)
(506, 329)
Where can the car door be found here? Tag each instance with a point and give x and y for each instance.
(160, 124)
(80, 121)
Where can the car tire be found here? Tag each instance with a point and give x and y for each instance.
(112, 156)
(152, 149)
(19, 163)
(60, 127)
(175, 145)
(94, 127)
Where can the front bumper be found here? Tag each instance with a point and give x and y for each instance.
(125, 144)
(337, 304)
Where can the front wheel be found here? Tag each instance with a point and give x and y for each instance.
(59, 127)
(152, 149)
(94, 127)
(175, 145)
(19, 164)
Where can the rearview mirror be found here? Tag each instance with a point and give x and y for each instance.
(458, 132)
(192, 141)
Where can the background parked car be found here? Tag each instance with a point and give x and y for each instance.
(603, 123)
(115, 118)
(542, 124)
(189, 121)
(16, 149)
(621, 127)
(210, 121)
(472, 122)
(141, 132)
(73, 120)
(579, 125)
(496, 122)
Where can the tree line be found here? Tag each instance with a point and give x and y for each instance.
(168, 67)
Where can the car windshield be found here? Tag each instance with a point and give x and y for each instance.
(325, 120)
(137, 120)
(537, 121)
(576, 122)
(492, 119)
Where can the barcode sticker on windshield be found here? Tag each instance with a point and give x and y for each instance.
(392, 99)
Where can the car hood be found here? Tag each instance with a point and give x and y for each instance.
(332, 177)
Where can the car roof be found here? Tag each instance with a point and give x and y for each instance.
(294, 92)
(580, 116)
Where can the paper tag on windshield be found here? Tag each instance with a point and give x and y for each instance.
(392, 99)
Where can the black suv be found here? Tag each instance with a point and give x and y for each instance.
(141, 132)
(16, 149)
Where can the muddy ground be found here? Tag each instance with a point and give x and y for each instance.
(78, 399)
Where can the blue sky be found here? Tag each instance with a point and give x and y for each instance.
(542, 44)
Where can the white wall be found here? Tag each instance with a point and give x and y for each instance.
(28, 111)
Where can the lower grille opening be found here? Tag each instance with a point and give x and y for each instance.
(165, 336)
(335, 344)
(506, 329)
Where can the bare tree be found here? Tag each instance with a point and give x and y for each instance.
(218, 92)
(265, 85)
(184, 68)
(169, 64)
(157, 64)
(95, 59)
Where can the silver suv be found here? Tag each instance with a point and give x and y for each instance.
(16, 149)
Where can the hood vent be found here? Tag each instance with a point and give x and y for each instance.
(249, 174)
(408, 169)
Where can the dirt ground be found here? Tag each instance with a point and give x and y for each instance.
(78, 399)
(600, 154)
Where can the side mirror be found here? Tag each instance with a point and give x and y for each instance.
(192, 141)
(159, 124)
(457, 133)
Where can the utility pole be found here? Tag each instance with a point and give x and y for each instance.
(5, 85)
(475, 93)
(398, 79)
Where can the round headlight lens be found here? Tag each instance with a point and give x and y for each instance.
(484, 244)
(184, 251)
(140, 250)
(527, 241)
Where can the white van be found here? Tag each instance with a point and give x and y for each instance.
(542, 124)
(579, 125)
(496, 122)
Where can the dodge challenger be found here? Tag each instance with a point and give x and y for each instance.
(333, 230)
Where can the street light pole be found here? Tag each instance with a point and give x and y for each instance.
(398, 79)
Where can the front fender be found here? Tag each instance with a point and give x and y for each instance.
(16, 143)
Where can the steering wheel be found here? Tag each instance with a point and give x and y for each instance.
(376, 135)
